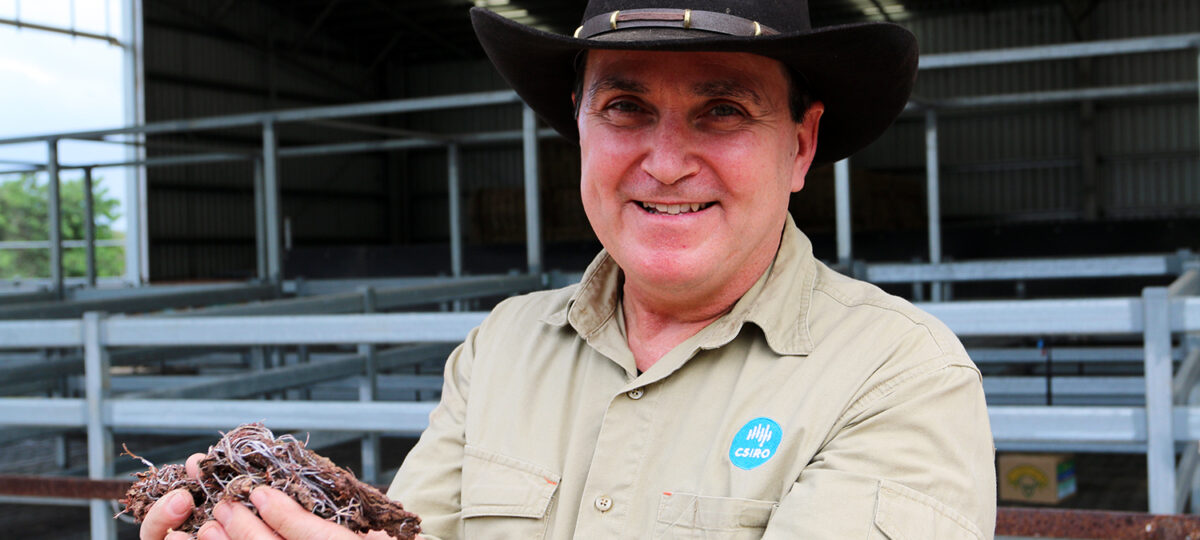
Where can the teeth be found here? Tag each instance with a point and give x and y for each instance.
(674, 209)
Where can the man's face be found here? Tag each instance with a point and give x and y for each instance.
(688, 163)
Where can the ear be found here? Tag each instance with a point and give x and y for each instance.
(806, 144)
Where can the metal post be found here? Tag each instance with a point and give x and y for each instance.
(99, 440)
(271, 197)
(302, 357)
(62, 452)
(89, 226)
(533, 218)
(275, 359)
(933, 197)
(455, 194)
(1160, 440)
(367, 390)
(258, 362)
(137, 236)
(841, 177)
(54, 218)
(260, 223)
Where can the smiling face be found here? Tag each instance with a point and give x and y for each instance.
(688, 162)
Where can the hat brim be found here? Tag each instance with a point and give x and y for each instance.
(863, 73)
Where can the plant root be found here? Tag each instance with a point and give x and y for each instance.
(250, 456)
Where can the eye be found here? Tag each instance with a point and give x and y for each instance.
(625, 106)
(725, 110)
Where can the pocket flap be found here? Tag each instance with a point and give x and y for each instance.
(498, 485)
(691, 511)
(903, 513)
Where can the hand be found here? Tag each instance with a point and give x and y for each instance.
(171, 510)
(281, 516)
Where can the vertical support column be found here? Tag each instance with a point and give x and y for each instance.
(1189, 484)
(841, 178)
(137, 236)
(302, 357)
(89, 226)
(260, 222)
(533, 213)
(62, 454)
(1160, 439)
(258, 362)
(454, 192)
(367, 391)
(275, 359)
(271, 203)
(933, 197)
(54, 218)
(99, 439)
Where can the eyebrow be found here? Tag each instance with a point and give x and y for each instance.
(616, 83)
(721, 88)
(731, 89)
(727, 88)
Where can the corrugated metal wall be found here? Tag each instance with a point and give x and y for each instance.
(1017, 163)
(491, 176)
(1027, 163)
(202, 62)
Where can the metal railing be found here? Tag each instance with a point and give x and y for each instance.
(930, 108)
(265, 158)
(1157, 426)
(1160, 313)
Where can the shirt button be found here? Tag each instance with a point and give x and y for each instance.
(636, 393)
(604, 503)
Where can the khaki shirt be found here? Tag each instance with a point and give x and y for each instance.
(819, 407)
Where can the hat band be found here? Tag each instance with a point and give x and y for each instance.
(709, 21)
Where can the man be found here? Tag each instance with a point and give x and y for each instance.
(708, 378)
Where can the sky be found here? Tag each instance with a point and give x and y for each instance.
(53, 82)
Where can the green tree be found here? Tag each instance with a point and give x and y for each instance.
(24, 209)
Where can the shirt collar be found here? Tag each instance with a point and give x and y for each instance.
(594, 301)
(778, 303)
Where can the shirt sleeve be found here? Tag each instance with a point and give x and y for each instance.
(429, 482)
(913, 458)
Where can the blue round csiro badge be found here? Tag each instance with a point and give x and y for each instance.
(755, 443)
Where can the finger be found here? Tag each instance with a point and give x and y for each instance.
(193, 465)
(292, 521)
(176, 535)
(239, 522)
(212, 531)
(166, 513)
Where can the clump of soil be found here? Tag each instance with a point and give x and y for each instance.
(251, 456)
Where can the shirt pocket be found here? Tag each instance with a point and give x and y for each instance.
(902, 513)
(687, 515)
(504, 497)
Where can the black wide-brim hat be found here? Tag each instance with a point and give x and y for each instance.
(863, 73)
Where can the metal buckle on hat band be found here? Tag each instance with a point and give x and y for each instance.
(710, 21)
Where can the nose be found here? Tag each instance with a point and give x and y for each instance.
(670, 156)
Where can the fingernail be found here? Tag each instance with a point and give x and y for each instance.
(205, 531)
(222, 511)
(180, 503)
(260, 498)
